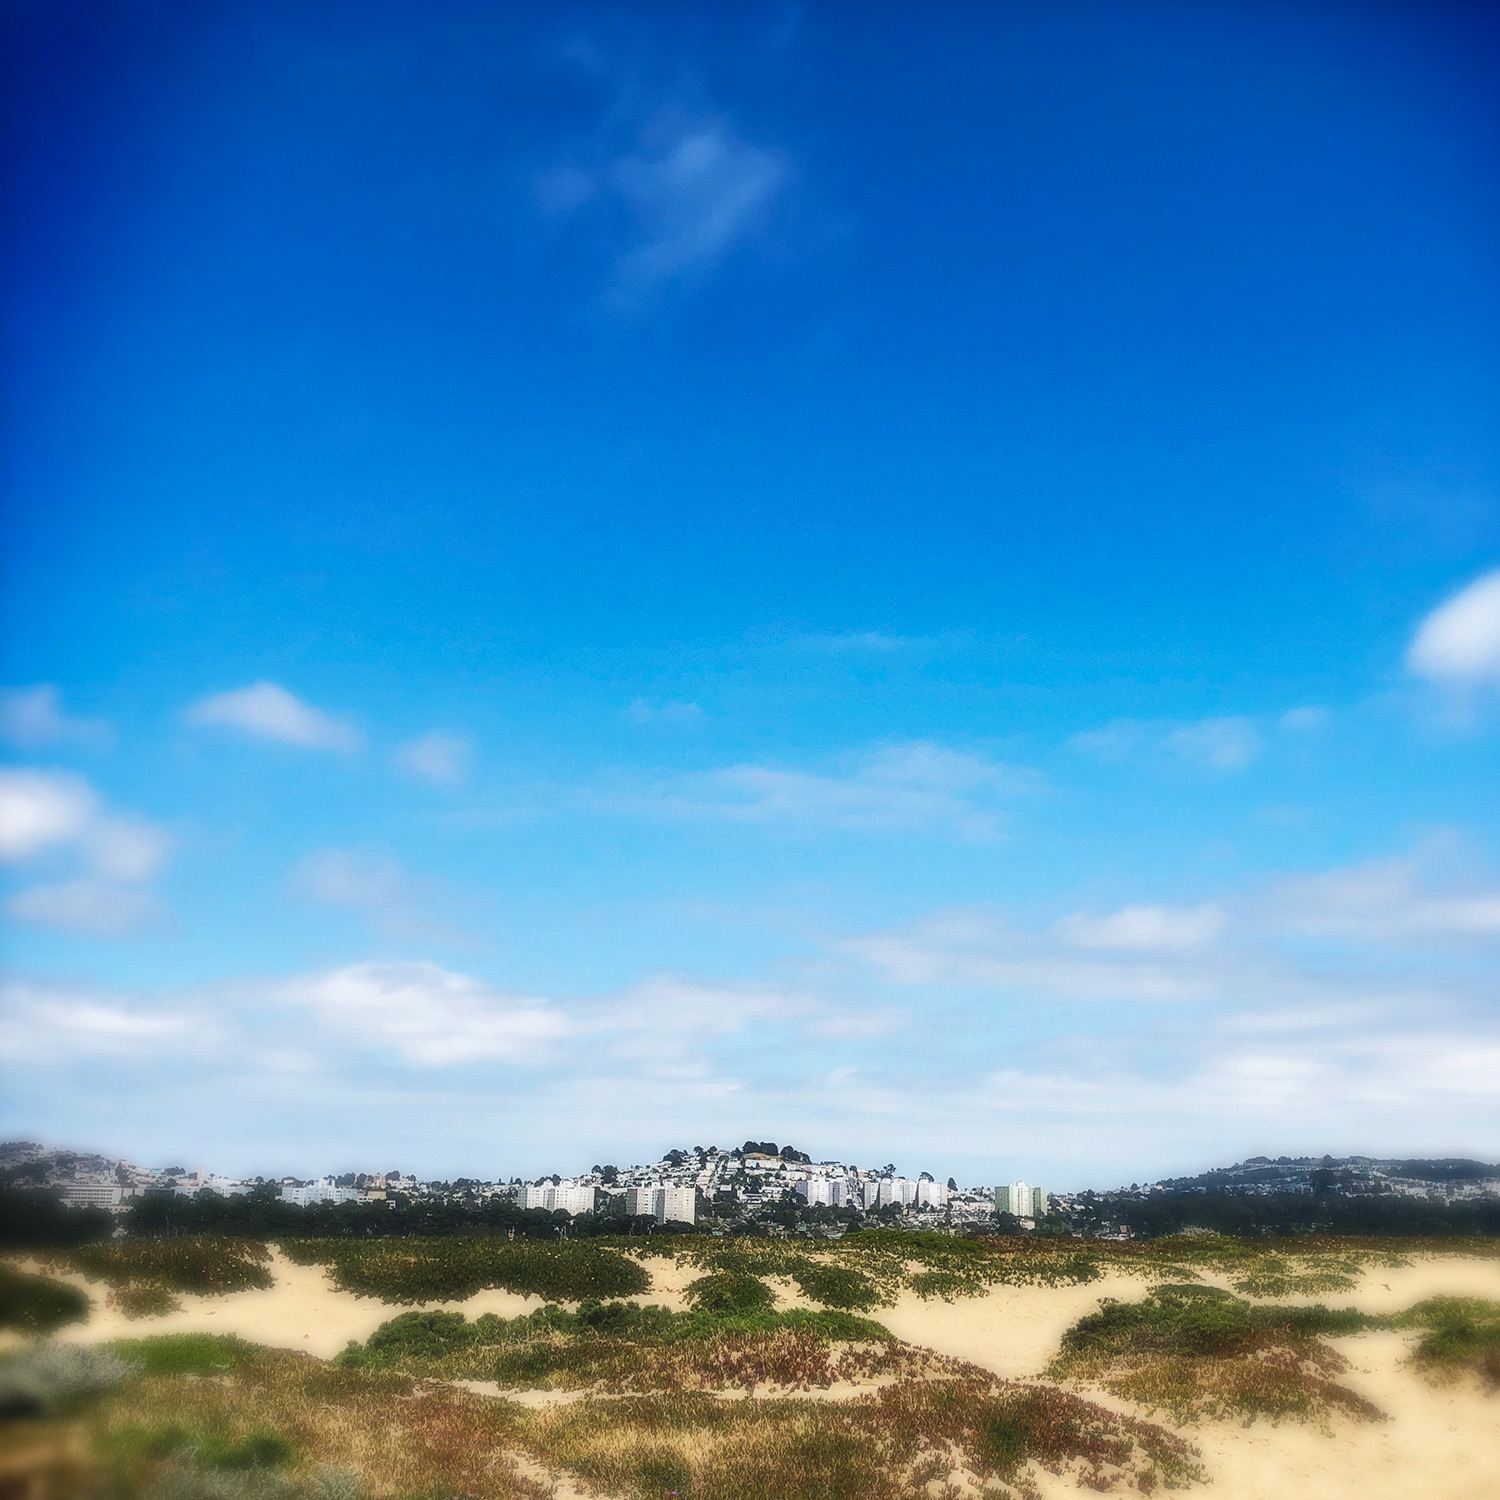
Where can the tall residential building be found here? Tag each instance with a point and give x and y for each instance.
(931, 1194)
(319, 1192)
(571, 1199)
(1022, 1200)
(829, 1192)
(678, 1205)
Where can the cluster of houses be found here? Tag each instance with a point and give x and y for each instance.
(683, 1187)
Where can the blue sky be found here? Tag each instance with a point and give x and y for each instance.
(921, 581)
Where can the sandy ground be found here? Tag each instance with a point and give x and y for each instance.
(1440, 1443)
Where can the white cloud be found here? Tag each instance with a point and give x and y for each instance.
(1304, 720)
(696, 189)
(976, 948)
(692, 187)
(443, 758)
(1388, 900)
(42, 808)
(98, 908)
(33, 717)
(126, 848)
(350, 877)
(910, 786)
(428, 1016)
(1228, 744)
(270, 712)
(1459, 642)
(45, 1024)
(1114, 743)
(665, 715)
(1146, 928)
(52, 812)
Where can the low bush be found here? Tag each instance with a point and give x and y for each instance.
(917, 1436)
(143, 1299)
(54, 1377)
(206, 1264)
(1196, 1351)
(1463, 1334)
(235, 1422)
(38, 1304)
(729, 1292)
(186, 1353)
(621, 1346)
(836, 1286)
(452, 1270)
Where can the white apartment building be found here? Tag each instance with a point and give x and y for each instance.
(677, 1205)
(931, 1194)
(566, 1196)
(318, 1192)
(92, 1195)
(1021, 1199)
(822, 1192)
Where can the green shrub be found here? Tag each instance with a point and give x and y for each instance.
(730, 1292)
(38, 1304)
(143, 1299)
(452, 1270)
(1463, 1334)
(205, 1264)
(836, 1286)
(186, 1353)
(1198, 1351)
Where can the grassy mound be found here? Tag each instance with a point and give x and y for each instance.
(221, 1420)
(38, 1304)
(144, 1274)
(730, 1292)
(216, 1420)
(974, 1433)
(1196, 1351)
(621, 1347)
(1463, 1336)
(451, 1270)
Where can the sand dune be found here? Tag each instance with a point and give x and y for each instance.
(1439, 1443)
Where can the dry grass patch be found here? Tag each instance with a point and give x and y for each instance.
(144, 1274)
(917, 1438)
(619, 1347)
(288, 1424)
(1197, 1352)
(1462, 1338)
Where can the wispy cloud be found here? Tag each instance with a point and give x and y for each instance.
(436, 757)
(47, 816)
(373, 883)
(33, 718)
(1147, 929)
(267, 711)
(914, 786)
(680, 183)
(1222, 744)
(1225, 744)
(664, 715)
(1407, 899)
(49, 1023)
(978, 948)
